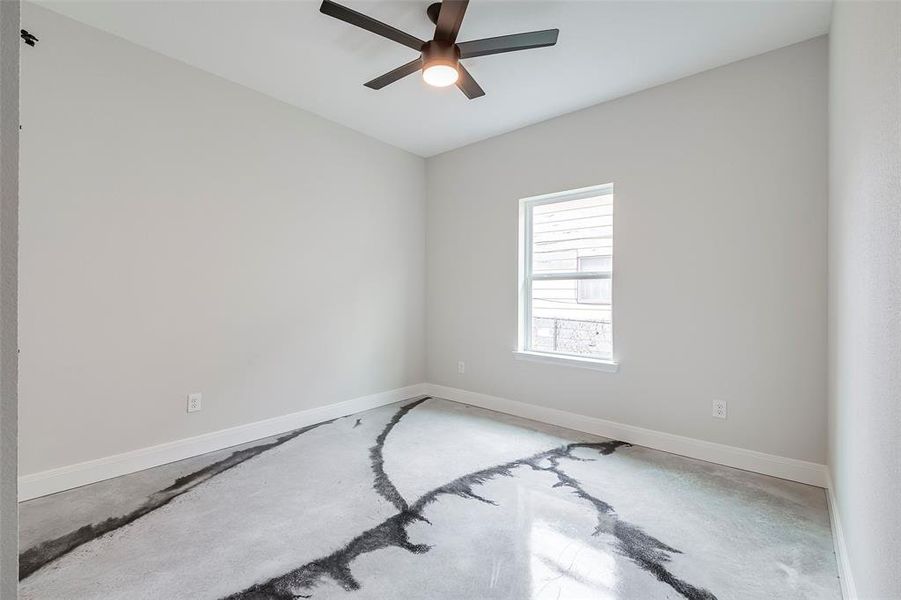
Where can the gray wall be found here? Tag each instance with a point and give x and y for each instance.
(865, 289)
(720, 255)
(9, 178)
(182, 233)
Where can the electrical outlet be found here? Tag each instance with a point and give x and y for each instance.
(461, 367)
(720, 409)
(195, 401)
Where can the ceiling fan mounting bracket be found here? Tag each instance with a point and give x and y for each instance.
(433, 11)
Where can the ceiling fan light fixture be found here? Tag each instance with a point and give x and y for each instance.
(440, 63)
(440, 74)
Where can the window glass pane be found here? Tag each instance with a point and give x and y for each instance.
(567, 232)
(595, 263)
(593, 291)
(564, 322)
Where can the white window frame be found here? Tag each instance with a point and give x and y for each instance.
(526, 277)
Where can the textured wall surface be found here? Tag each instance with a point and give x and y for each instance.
(181, 233)
(865, 289)
(9, 181)
(719, 254)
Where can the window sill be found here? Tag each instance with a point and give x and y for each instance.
(607, 366)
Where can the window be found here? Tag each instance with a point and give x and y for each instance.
(566, 274)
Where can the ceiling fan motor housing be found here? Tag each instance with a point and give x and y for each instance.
(440, 53)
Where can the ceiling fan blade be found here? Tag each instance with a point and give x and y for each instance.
(392, 76)
(508, 43)
(449, 20)
(369, 24)
(468, 85)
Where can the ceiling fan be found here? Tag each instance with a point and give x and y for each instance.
(440, 57)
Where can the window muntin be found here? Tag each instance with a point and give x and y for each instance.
(566, 274)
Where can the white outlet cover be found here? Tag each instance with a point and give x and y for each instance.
(195, 402)
(720, 409)
(461, 367)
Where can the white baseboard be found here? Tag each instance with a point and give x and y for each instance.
(849, 591)
(71, 476)
(730, 456)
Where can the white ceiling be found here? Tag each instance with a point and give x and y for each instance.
(290, 51)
